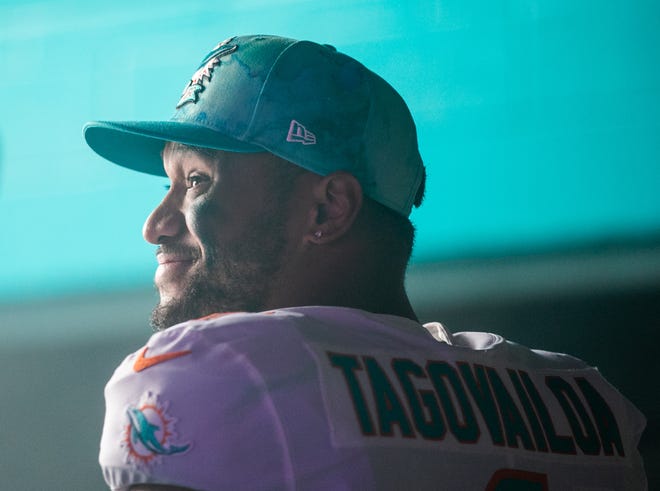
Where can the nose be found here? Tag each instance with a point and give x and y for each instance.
(166, 222)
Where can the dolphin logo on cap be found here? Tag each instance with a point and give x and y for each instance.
(205, 72)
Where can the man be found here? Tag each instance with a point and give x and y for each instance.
(293, 170)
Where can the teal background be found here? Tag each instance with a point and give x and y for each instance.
(538, 121)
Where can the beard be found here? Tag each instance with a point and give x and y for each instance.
(233, 277)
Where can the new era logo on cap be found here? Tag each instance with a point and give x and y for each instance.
(299, 134)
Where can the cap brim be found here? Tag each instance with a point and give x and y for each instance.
(138, 145)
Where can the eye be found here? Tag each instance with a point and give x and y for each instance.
(194, 180)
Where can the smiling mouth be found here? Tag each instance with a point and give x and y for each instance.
(173, 269)
(171, 272)
(174, 263)
(173, 254)
(165, 260)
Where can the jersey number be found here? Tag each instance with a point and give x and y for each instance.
(517, 480)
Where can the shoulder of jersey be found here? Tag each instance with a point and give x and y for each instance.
(199, 335)
(488, 344)
(230, 318)
(232, 323)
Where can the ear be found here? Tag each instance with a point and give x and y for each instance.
(338, 199)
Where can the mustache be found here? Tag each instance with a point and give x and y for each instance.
(179, 250)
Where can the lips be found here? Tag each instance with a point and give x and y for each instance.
(173, 265)
(170, 267)
(164, 259)
(168, 254)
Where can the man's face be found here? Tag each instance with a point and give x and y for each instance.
(221, 232)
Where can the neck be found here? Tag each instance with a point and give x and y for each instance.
(352, 284)
(351, 298)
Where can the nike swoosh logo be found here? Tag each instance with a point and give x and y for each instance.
(142, 362)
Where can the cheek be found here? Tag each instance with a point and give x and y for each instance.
(204, 218)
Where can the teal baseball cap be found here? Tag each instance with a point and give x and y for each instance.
(302, 101)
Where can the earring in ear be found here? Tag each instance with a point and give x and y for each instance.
(318, 234)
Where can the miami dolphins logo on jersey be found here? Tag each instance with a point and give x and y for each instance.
(149, 432)
(205, 72)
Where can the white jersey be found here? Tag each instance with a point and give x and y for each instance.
(334, 398)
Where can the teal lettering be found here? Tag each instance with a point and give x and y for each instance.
(514, 425)
(348, 364)
(423, 403)
(478, 386)
(388, 406)
(558, 443)
(444, 376)
(537, 431)
(578, 418)
(608, 429)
